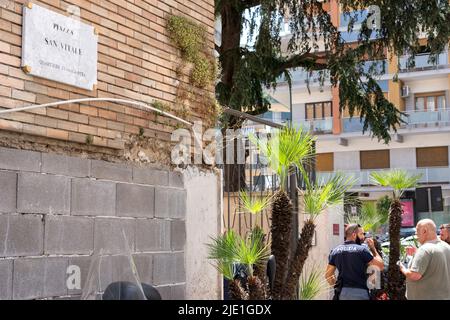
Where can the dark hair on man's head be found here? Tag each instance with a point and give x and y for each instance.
(350, 229)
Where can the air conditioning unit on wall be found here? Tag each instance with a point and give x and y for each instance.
(405, 91)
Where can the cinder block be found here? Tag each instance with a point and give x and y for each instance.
(85, 264)
(135, 201)
(178, 234)
(150, 176)
(165, 292)
(144, 266)
(176, 179)
(6, 276)
(168, 268)
(177, 204)
(170, 203)
(21, 235)
(8, 185)
(179, 292)
(69, 235)
(92, 197)
(111, 171)
(107, 269)
(64, 165)
(114, 235)
(152, 235)
(39, 278)
(16, 159)
(43, 193)
(162, 202)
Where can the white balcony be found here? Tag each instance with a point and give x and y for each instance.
(436, 118)
(317, 126)
(362, 177)
(422, 63)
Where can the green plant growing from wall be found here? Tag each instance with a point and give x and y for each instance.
(89, 139)
(198, 61)
(190, 39)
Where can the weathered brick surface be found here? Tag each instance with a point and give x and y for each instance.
(136, 60)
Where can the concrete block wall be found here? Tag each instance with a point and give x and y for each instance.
(57, 211)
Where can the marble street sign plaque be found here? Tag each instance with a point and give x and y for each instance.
(58, 48)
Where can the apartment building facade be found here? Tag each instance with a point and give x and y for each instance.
(420, 145)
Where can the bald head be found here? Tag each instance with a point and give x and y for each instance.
(426, 230)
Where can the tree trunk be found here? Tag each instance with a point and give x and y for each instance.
(231, 38)
(396, 280)
(304, 244)
(281, 229)
(236, 290)
(255, 289)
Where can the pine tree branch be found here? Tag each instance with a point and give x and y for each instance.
(310, 60)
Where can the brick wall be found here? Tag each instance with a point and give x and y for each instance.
(57, 211)
(136, 61)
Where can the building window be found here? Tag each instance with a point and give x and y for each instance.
(374, 159)
(318, 110)
(324, 162)
(430, 101)
(432, 157)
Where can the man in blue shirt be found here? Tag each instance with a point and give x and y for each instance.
(351, 260)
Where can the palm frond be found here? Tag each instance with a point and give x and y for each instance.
(287, 148)
(320, 196)
(369, 218)
(254, 204)
(312, 283)
(223, 250)
(252, 251)
(228, 249)
(397, 179)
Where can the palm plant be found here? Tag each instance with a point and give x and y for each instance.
(229, 250)
(399, 181)
(316, 198)
(312, 283)
(287, 149)
(254, 204)
(370, 218)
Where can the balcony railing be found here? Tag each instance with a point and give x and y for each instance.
(301, 76)
(354, 124)
(433, 118)
(318, 126)
(362, 177)
(422, 62)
